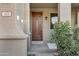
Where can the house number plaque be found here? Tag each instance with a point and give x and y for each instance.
(6, 13)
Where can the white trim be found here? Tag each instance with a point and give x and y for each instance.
(37, 42)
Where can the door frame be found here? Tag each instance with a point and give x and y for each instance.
(42, 23)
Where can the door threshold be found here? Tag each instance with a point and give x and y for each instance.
(37, 42)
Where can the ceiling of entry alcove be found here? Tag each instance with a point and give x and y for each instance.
(43, 5)
(75, 4)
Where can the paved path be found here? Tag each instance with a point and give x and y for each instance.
(41, 49)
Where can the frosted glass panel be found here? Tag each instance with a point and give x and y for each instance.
(54, 19)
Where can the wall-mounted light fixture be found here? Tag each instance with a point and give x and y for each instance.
(17, 17)
(21, 20)
(46, 18)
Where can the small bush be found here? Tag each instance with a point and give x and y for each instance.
(62, 37)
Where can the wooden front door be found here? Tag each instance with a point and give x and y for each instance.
(36, 26)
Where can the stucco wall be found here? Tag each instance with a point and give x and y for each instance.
(27, 23)
(20, 13)
(73, 16)
(78, 16)
(13, 47)
(46, 23)
(8, 29)
(23, 11)
(64, 10)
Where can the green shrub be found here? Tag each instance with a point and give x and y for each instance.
(76, 32)
(62, 37)
(74, 50)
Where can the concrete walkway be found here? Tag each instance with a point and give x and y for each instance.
(41, 49)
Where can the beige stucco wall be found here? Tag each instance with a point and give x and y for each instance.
(78, 16)
(64, 11)
(73, 16)
(20, 13)
(12, 39)
(46, 23)
(13, 47)
(27, 29)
